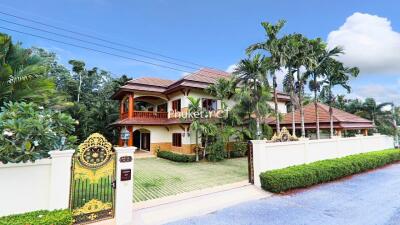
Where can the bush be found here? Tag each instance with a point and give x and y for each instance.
(28, 132)
(41, 217)
(216, 151)
(239, 150)
(177, 157)
(305, 175)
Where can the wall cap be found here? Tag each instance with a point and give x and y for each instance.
(64, 153)
(125, 150)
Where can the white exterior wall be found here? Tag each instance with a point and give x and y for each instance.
(281, 106)
(158, 134)
(270, 156)
(43, 184)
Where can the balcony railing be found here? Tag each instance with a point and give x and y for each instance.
(150, 114)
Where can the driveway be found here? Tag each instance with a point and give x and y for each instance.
(368, 199)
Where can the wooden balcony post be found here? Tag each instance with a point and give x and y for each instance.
(130, 108)
(121, 108)
(130, 141)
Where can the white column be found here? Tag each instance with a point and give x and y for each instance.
(124, 189)
(60, 179)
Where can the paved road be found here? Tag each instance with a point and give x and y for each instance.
(367, 199)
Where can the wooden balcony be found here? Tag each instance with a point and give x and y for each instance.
(150, 115)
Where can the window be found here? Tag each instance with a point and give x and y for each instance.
(176, 105)
(177, 139)
(209, 104)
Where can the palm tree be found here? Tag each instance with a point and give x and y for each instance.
(289, 49)
(316, 71)
(271, 46)
(223, 90)
(336, 74)
(251, 74)
(23, 75)
(208, 130)
(195, 126)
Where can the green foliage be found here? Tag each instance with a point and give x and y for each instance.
(28, 131)
(176, 157)
(23, 75)
(216, 151)
(41, 217)
(239, 150)
(281, 180)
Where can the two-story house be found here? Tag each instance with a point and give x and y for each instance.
(145, 103)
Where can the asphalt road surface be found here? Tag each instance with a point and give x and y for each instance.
(371, 198)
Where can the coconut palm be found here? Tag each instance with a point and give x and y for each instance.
(336, 74)
(271, 45)
(251, 75)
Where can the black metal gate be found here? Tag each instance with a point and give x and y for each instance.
(93, 181)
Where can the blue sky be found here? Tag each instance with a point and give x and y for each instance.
(215, 33)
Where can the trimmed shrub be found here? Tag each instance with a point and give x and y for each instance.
(216, 151)
(239, 150)
(305, 175)
(41, 217)
(176, 157)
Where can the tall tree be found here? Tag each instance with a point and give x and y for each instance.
(315, 71)
(336, 74)
(250, 74)
(271, 45)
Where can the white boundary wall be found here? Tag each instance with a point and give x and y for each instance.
(29, 186)
(269, 156)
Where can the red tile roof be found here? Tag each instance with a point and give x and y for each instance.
(341, 118)
(200, 79)
(152, 81)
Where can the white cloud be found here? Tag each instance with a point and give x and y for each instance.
(370, 43)
(381, 93)
(231, 68)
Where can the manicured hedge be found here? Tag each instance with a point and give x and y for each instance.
(305, 175)
(177, 157)
(42, 217)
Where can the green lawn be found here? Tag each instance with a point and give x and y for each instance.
(155, 177)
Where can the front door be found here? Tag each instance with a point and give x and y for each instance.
(146, 141)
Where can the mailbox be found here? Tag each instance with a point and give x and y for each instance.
(126, 174)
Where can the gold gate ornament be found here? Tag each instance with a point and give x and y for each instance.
(92, 182)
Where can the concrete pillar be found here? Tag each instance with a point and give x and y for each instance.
(60, 179)
(124, 189)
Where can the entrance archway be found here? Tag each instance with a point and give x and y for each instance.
(141, 139)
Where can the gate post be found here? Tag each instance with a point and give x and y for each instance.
(124, 185)
(250, 162)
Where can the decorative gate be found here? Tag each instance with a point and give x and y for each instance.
(93, 181)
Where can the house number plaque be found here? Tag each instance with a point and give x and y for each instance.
(125, 159)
